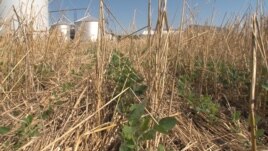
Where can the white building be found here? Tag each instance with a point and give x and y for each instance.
(87, 28)
(63, 27)
(146, 32)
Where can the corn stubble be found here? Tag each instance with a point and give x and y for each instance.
(61, 89)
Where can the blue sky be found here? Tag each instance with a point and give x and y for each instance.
(124, 11)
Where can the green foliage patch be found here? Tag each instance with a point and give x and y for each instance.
(122, 72)
(141, 128)
(203, 103)
(4, 130)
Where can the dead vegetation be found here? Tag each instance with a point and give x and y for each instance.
(55, 97)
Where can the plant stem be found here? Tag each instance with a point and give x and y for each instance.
(253, 85)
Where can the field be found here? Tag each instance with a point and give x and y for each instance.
(188, 90)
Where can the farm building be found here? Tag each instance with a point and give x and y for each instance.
(146, 32)
(63, 27)
(87, 28)
(165, 31)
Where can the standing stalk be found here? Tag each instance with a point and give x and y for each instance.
(100, 58)
(24, 31)
(160, 57)
(161, 62)
(149, 42)
(253, 85)
(149, 22)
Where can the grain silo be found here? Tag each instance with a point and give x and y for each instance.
(63, 27)
(30, 12)
(87, 28)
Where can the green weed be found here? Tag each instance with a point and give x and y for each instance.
(67, 86)
(236, 116)
(201, 103)
(265, 86)
(47, 113)
(26, 130)
(140, 128)
(4, 130)
(122, 72)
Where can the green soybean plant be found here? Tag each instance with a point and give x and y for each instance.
(141, 128)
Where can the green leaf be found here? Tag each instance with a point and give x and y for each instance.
(140, 89)
(236, 116)
(166, 124)
(126, 147)
(260, 133)
(4, 130)
(182, 87)
(46, 114)
(67, 86)
(33, 132)
(145, 124)
(161, 147)
(265, 86)
(257, 119)
(149, 135)
(137, 110)
(28, 120)
(128, 132)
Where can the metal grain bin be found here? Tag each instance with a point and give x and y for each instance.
(63, 27)
(87, 28)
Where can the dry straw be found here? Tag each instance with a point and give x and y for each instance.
(64, 87)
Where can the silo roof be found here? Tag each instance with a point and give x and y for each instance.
(88, 18)
(63, 21)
